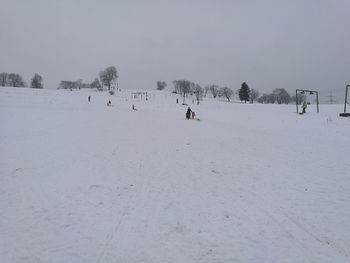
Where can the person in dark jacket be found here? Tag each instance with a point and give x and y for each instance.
(188, 113)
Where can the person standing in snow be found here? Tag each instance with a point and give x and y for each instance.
(304, 106)
(188, 113)
(89, 98)
(193, 114)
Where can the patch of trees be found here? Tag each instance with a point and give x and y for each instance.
(67, 84)
(37, 82)
(96, 84)
(107, 79)
(161, 85)
(11, 80)
(183, 87)
(225, 92)
(299, 99)
(246, 94)
(280, 96)
(186, 87)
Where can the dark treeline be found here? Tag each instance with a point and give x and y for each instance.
(11, 80)
(16, 80)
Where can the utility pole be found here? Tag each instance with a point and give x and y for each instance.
(331, 98)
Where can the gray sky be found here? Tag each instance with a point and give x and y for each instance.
(267, 43)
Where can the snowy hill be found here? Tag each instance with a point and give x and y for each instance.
(83, 182)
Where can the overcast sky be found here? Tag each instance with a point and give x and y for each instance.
(267, 43)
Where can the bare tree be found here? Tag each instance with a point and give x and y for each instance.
(67, 84)
(176, 86)
(198, 91)
(161, 85)
(36, 82)
(182, 87)
(254, 94)
(96, 84)
(271, 98)
(15, 80)
(186, 88)
(3, 79)
(262, 98)
(206, 89)
(109, 77)
(214, 89)
(226, 92)
(301, 98)
(282, 96)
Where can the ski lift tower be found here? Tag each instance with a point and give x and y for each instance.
(345, 114)
(305, 91)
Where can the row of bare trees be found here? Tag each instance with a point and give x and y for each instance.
(186, 87)
(11, 80)
(280, 96)
(107, 79)
(16, 80)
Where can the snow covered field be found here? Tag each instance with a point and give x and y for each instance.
(83, 182)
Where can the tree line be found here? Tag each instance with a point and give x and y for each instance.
(245, 94)
(107, 80)
(186, 87)
(16, 80)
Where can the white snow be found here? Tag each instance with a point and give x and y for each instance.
(83, 182)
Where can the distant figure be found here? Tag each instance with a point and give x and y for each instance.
(109, 103)
(177, 101)
(193, 114)
(188, 113)
(304, 106)
(89, 98)
(133, 107)
(192, 101)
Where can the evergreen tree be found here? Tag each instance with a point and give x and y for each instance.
(244, 92)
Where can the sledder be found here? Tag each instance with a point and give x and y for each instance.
(190, 113)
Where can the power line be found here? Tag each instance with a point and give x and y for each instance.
(331, 98)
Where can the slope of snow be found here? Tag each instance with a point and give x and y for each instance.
(83, 182)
